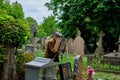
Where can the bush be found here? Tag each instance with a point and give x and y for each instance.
(20, 61)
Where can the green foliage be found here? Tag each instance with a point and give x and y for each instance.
(20, 61)
(12, 31)
(70, 58)
(3, 57)
(48, 27)
(31, 21)
(17, 11)
(103, 75)
(90, 16)
(5, 7)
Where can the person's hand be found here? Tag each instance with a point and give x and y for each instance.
(55, 51)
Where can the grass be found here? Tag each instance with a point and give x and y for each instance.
(71, 58)
(106, 76)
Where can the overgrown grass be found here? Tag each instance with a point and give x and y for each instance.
(106, 76)
(70, 58)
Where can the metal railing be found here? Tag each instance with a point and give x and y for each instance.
(104, 64)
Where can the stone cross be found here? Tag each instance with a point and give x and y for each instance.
(99, 49)
(100, 39)
(33, 32)
(79, 44)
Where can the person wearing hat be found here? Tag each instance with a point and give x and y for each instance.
(51, 51)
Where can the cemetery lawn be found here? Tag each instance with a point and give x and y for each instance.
(70, 58)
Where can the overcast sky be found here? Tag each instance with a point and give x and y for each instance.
(35, 9)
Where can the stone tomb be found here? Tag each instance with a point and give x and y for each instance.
(112, 58)
(41, 69)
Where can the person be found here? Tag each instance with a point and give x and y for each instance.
(51, 51)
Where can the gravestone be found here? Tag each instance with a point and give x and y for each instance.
(44, 41)
(40, 45)
(79, 44)
(70, 46)
(99, 50)
(65, 71)
(30, 48)
(78, 68)
(33, 32)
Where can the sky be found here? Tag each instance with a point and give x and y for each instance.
(35, 9)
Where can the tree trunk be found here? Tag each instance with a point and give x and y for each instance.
(9, 69)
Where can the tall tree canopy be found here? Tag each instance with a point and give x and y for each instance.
(31, 21)
(17, 11)
(48, 27)
(91, 17)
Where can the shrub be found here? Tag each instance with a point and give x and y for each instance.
(20, 61)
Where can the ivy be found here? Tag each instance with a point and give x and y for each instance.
(3, 57)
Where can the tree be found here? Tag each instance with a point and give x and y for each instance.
(17, 11)
(31, 21)
(48, 27)
(91, 17)
(13, 34)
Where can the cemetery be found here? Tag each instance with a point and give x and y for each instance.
(79, 41)
(72, 66)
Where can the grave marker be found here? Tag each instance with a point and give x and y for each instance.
(70, 46)
(99, 50)
(65, 71)
(78, 68)
(79, 44)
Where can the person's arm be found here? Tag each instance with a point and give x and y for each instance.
(51, 47)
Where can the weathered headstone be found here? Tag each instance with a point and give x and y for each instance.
(78, 68)
(79, 44)
(99, 49)
(30, 48)
(40, 45)
(70, 46)
(65, 71)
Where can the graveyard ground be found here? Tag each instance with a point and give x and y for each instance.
(70, 58)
